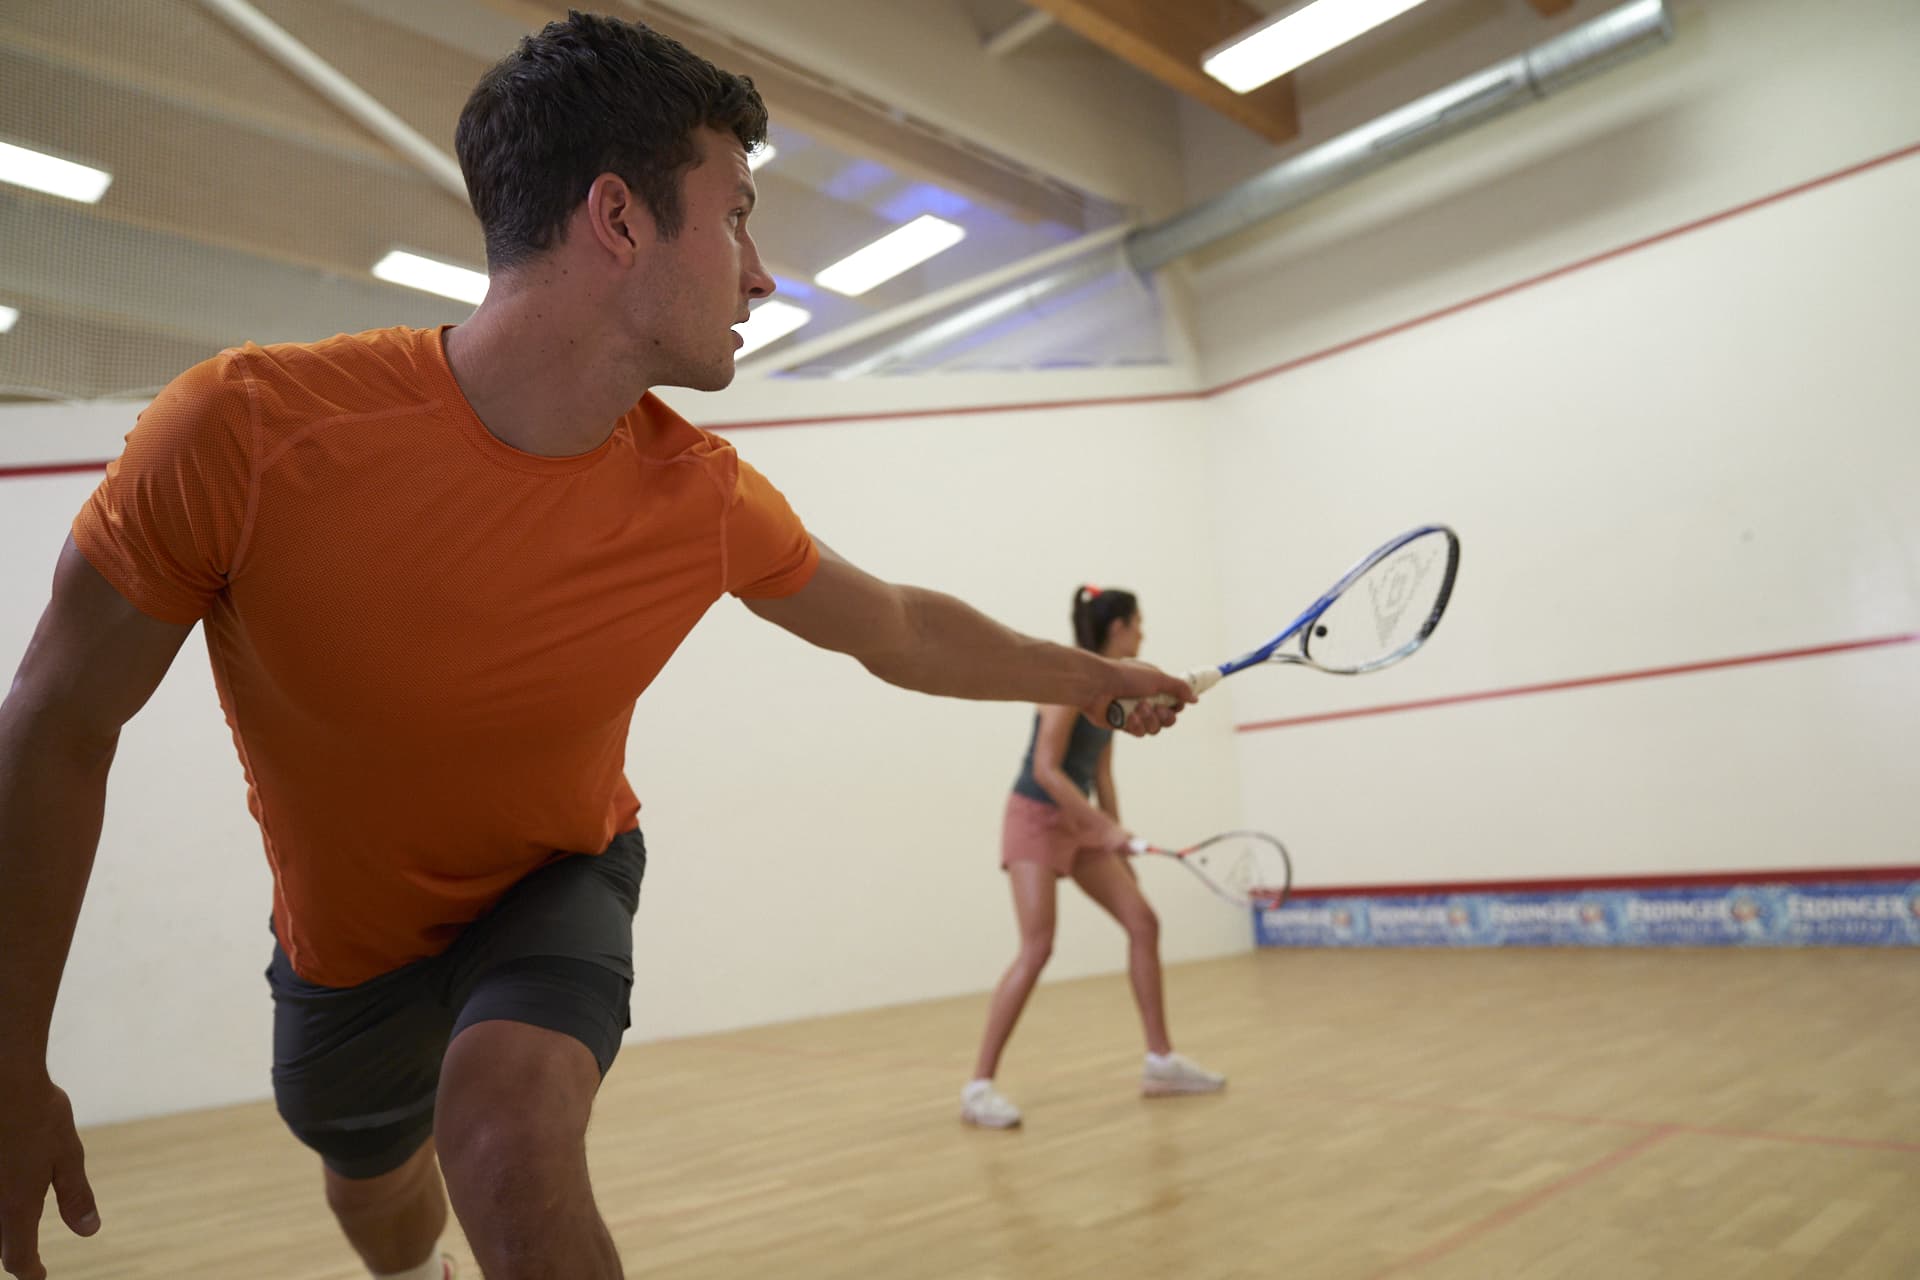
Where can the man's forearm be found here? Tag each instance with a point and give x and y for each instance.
(53, 789)
(948, 647)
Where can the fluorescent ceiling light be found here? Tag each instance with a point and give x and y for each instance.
(761, 154)
(7, 318)
(1294, 39)
(26, 168)
(894, 252)
(770, 322)
(431, 276)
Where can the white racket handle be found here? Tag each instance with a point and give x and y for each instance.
(1120, 708)
(1137, 846)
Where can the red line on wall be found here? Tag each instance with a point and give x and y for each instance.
(1691, 880)
(1633, 246)
(50, 469)
(1341, 348)
(1582, 682)
(1261, 374)
(961, 411)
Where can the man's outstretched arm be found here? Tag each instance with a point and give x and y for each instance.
(933, 643)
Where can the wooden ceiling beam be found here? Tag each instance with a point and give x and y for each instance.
(1166, 39)
(843, 118)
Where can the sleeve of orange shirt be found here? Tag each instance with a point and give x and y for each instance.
(769, 552)
(168, 525)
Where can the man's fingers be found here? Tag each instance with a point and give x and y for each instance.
(1150, 717)
(20, 1243)
(72, 1191)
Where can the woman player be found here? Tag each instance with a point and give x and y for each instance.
(1053, 830)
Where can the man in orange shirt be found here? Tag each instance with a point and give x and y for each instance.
(436, 568)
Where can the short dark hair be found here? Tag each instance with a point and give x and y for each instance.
(584, 97)
(1096, 609)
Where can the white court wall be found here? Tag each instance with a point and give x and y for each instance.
(1700, 449)
(1704, 448)
(820, 841)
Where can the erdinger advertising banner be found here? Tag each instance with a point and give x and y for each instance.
(1856, 914)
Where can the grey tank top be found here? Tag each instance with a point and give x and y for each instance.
(1083, 757)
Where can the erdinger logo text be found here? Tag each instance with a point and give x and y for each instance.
(1884, 907)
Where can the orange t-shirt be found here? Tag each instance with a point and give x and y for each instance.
(427, 643)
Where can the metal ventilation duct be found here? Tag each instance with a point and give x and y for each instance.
(1614, 37)
(1541, 71)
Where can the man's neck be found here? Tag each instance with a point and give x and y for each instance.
(538, 372)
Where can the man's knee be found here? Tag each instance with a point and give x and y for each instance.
(360, 1195)
(513, 1109)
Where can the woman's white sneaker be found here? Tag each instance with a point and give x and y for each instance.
(983, 1105)
(1165, 1076)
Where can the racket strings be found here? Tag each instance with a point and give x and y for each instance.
(1386, 610)
(1247, 868)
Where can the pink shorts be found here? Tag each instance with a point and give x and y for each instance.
(1039, 833)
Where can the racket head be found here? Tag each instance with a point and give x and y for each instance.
(1247, 868)
(1386, 606)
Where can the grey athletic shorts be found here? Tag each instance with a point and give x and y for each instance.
(355, 1069)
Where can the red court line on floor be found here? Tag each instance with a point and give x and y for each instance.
(1350, 1099)
(1526, 1204)
(1619, 1122)
(1584, 682)
(1802, 1139)
(1704, 879)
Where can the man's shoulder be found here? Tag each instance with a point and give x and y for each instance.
(664, 435)
(349, 372)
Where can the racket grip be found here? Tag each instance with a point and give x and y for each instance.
(1137, 845)
(1120, 708)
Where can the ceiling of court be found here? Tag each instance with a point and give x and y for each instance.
(247, 205)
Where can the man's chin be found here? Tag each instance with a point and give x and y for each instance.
(712, 378)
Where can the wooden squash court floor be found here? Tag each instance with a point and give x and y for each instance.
(1442, 1115)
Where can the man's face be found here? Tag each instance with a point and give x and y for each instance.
(697, 285)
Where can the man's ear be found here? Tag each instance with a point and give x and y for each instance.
(617, 219)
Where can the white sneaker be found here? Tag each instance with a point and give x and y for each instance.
(982, 1104)
(1173, 1074)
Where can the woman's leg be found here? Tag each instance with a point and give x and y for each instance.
(1108, 881)
(1033, 903)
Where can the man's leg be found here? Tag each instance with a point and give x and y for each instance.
(512, 1132)
(543, 992)
(353, 1076)
(394, 1221)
